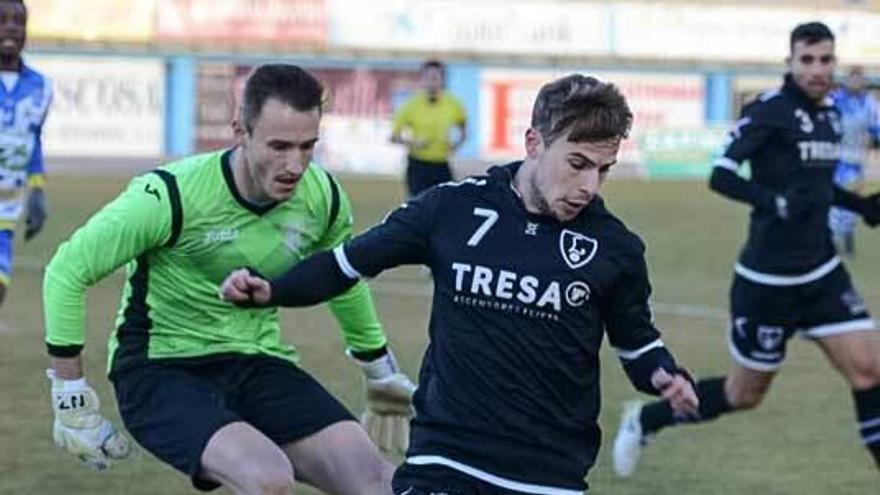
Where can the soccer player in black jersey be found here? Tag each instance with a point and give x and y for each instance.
(531, 271)
(788, 278)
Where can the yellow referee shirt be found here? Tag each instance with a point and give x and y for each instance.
(430, 122)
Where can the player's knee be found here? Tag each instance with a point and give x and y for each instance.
(2, 292)
(864, 373)
(270, 478)
(376, 473)
(746, 397)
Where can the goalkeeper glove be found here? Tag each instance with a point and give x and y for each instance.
(36, 213)
(80, 429)
(389, 403)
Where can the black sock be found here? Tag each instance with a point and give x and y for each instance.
(868, 413)
(713, 403)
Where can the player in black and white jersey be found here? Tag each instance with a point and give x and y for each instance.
(788, 278)
(530, 271)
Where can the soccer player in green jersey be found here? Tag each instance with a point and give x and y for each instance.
(205, 386)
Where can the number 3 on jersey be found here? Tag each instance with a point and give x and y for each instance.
(490, 216)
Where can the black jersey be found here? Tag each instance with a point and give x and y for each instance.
(509, 386)
(790, 142)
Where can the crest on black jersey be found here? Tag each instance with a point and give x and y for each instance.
(577, 249)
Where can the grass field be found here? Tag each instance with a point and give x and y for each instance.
(802, 440)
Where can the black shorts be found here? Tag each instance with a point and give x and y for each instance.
(421, 175)
(440, 480)
(173, 407)
(764, 317)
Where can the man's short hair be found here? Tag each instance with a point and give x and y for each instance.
(433, 64)
(584, 107)
(289, 83)
(810, 33)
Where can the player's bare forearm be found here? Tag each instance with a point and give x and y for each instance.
(67, 368)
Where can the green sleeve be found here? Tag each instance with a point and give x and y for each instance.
(354, 309)
(138, 220)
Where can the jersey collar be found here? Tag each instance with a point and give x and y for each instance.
(226, 165)
(504, 174)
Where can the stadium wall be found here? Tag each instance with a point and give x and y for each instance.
(148, 105)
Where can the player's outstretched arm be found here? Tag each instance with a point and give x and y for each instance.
(135, 222)
(79, 428)
(312, 281)
(866, 206)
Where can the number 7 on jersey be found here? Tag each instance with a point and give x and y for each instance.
(491, 216)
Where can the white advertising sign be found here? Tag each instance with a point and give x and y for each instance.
(104, 106)
(489, 26)
(658, 100)
(735, 33)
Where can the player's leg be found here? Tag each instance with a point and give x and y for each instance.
(240, 457)
(327, 447)
(184, 420)
(439, 174)
(6, 244)
(341, 459)
(742, 389)
(757, 348)
(857, 357)
(843, 329)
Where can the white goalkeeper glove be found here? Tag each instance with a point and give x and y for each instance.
(389, 404)
(80, 429)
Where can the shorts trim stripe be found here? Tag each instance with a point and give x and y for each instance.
(860, 325)
(421, 460)
(787, 280)
(748, 362)
(872, 439)
(344, 265)
(871, 423)
(631, 355)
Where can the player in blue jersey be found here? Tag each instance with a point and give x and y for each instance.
(788, 278)
(25, 95)
(860, 118)
(530, 271)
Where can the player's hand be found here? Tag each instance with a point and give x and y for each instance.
(417, 144)
(389, 404)
(678, 390)
(36, 213)
(871, 210)
(80, 429)
(245, 287)
(797, 202)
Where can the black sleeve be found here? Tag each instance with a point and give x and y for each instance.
(848, 199)
(401, 239)
(758, 121)
(728, 183)
(747, 136)
(310, 282)
(630, 326)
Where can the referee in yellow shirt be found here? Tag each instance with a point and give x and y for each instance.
(424, 124)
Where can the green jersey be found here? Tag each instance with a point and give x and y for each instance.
(179, 231)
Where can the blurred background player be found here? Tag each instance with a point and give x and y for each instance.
(788, 278)
(206, 387)
(25, 96)
(432, 125)
(860, 118)
(530, 272)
